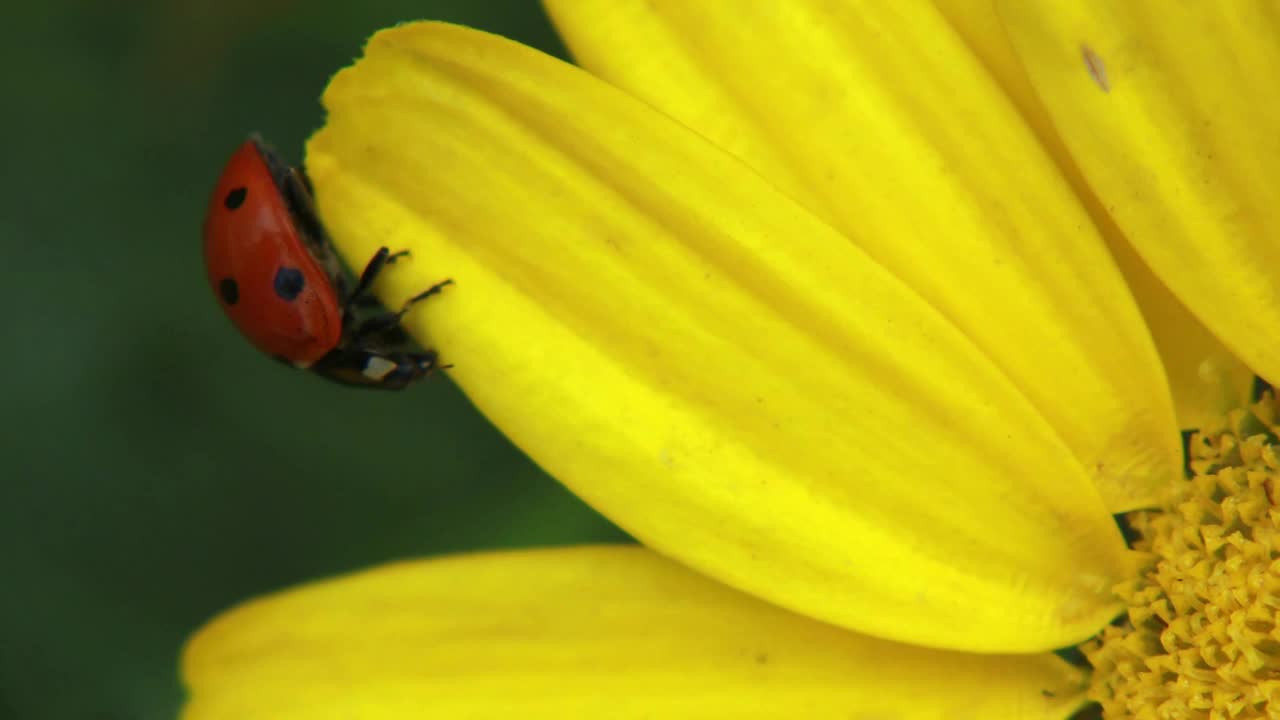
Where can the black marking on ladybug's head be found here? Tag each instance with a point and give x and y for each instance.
(235, 198)
(229, 291)
(289, 282)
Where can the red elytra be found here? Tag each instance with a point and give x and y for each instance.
(270, 264)
(253, 249)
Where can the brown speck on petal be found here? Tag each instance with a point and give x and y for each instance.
(1097, 70)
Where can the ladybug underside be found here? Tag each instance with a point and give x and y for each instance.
(372, 352)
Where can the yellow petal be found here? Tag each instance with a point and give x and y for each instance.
(878, 118)
(1170, 111)
(600, 632)
(1205, 378)
(723, 375)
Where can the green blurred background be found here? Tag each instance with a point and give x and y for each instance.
(156, 469)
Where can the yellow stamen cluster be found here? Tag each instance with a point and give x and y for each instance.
(1202, 636)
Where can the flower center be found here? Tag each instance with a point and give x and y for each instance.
(1202, 634)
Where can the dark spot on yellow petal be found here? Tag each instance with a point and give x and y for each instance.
(1097, 70)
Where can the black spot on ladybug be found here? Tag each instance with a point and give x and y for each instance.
(229, 291)
(289, 282)
(235, 198)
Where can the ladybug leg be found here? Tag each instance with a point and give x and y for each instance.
(369, 274)
(433, 290)
(383, 324)
(380, 260)
(367, 368)
(359, 296)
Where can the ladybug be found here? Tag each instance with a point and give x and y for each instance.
(273, 269)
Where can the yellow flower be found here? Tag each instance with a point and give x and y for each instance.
(845, 311)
